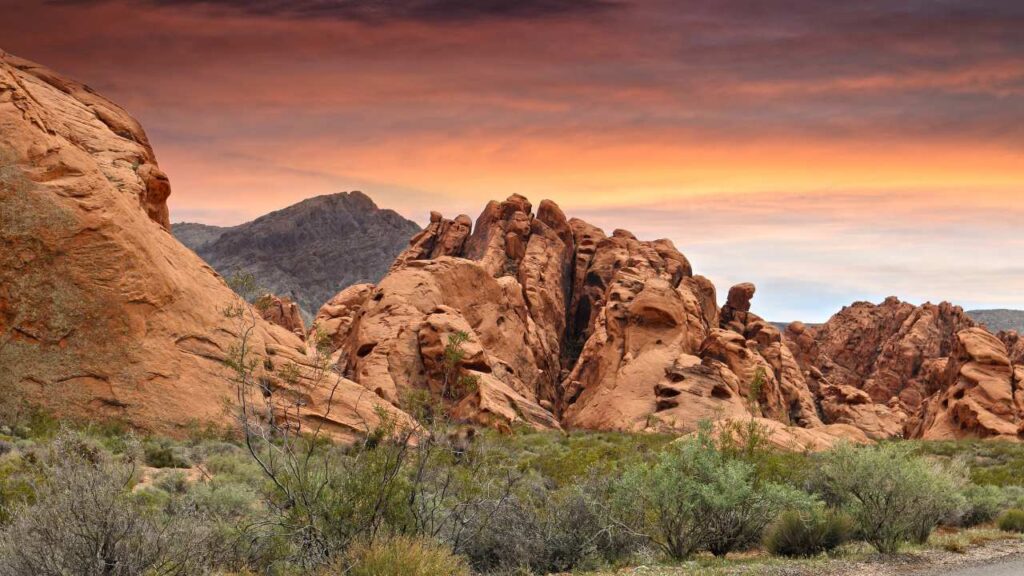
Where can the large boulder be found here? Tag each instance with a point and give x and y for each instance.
(103, 314)
(282, 311)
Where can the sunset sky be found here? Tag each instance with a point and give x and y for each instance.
(827, 151)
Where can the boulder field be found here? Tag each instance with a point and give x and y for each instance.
(523, 317)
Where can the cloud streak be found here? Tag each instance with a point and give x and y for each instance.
(382, 11)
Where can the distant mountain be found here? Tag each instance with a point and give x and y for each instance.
(998, 320)
(195, 235)
(308, 251)
(994, 320)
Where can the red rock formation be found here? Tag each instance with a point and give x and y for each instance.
(102, 312)
(981, 395)
(885, 349)
(282, 312)
(566, 326)
(1014, 345)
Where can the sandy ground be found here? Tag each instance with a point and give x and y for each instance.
(996, 558)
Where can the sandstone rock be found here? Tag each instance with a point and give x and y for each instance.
(395, 341)
(1014, 346)
(283, 312)
(978, 398)
(335, 318)
(842, 404)
(647, 319)
(737, 305)
(884, 349)
(103, 314)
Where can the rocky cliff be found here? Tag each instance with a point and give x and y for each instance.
(308, 251)
(103, 314)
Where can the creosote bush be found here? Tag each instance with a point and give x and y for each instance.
(805, 533)
(892, 495)
(1012, 520)
(982, 504)
(696, 498)
(83, 522)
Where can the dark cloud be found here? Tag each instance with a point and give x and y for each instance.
(434, 11)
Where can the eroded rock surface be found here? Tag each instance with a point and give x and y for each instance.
(282, 311)
(981, 395)
(103, 314)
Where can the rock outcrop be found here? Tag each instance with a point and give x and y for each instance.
(103, 314)
(874, 365)
(981, 396)
(567, 326)
(308, 251)
(283, 312)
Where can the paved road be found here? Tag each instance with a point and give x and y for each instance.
(1013, 567)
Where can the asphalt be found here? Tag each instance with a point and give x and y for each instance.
(1014, 567)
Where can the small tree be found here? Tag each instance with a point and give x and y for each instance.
(457, 384)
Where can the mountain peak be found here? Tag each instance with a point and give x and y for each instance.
(309, 250)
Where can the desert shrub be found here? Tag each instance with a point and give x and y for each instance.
(84, 522)
(1012, 520)
(173, 482)
(401, 556)
(957, 543)
(749, 441)
(983, 504)
(804, 533)
(697, 498)
(17, 477)
(892, 495)
(566, 458)
(544, 530)
(164, 453)
(224, 500)
(990, 463)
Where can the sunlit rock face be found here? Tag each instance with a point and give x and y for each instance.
(103, 314)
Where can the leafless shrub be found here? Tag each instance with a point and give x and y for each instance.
(84, 522)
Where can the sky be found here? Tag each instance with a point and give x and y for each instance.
(826, 151)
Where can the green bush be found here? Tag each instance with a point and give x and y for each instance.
(696, 498)
(892, 495)
(544, 530)
(798, 533)
(164, 453)
(1012, 520)
(983, 504)
(401, 556)
(84, 521)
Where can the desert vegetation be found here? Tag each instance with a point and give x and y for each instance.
(93, 499)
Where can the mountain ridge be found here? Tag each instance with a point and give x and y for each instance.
(307, 251)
